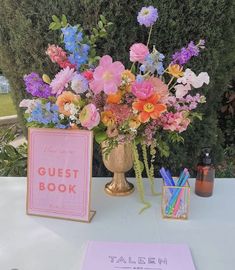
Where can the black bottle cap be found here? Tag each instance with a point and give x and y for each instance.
(206, 156)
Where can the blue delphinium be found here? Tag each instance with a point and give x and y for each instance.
(153, 63)
(46, 114)
(73, 43)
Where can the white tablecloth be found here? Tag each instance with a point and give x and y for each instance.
(36, 243)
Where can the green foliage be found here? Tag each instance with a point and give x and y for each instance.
(58, 23)
(24, 36)
(13, 160)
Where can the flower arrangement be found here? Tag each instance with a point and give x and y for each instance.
(134, 105)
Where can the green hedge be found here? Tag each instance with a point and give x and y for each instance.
(24, 37)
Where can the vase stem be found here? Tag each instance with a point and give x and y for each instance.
(119, 186)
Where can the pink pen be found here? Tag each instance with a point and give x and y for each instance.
(177, 205)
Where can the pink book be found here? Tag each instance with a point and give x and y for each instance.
(59, 173)
(132, 256)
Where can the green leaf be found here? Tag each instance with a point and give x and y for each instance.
(52, 25)
(92, 39)
(103, 33)
(103, 19)
(163, 149)
(133, 69)
(57, 26)
(100, 24)
(175, 137)
(55, 19)
(100, 136)
(64, 21)
(92, 53)
(95, 31)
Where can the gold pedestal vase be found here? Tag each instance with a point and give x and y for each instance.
(119, 160)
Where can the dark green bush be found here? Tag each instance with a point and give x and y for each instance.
(24, 37)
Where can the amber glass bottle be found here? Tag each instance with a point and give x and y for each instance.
(205, 175)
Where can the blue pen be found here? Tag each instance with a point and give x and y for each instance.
(170, 177)
(165, 177)
(181, 176)
(174, 196)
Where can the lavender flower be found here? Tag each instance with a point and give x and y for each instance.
(147, 16)
(36, 86)
(185, 54)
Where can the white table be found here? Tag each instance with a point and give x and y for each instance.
(35, 243)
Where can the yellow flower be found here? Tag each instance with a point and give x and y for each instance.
(108, 118)
(134, 122)
(127, 78)
(175, 70)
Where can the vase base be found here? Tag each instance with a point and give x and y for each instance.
(114, 190)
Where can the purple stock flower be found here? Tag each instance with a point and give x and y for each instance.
(147, 16)
(185, 54)
(36, 86)
(193, 49)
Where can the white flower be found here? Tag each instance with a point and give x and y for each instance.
(190, 79)
(79, 84)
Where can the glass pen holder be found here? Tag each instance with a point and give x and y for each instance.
(175, 201)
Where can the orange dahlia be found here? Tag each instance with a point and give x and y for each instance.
(149, 108)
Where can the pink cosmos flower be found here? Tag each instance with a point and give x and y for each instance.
(175, 121)
(89, 116)
(138, 52)
(107, 76)
(190, 79)
(62, 80)
(142, 90)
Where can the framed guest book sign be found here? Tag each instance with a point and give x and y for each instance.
(132, 256)
(59, 173)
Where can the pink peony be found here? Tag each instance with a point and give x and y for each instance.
(89, 116)
(138, 52)
(160, 88)
(142, 90)
(175, 121)
(62, 80)
(107, 76)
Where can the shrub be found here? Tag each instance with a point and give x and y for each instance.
(24, 37)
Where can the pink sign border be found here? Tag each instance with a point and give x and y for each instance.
(87, 193)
